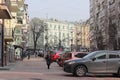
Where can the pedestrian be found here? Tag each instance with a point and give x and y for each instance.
(48, 59)
(28, 54)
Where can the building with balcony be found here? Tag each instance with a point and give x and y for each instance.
(21, 28)
(105, 24)
(82, 35)
(5, 13)
(15, 30)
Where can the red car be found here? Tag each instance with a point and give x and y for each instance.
(70, 55)
(56, 55)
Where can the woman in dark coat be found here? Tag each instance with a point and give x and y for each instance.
(48, 59)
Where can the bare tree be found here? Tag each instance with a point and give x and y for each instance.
(37, 28)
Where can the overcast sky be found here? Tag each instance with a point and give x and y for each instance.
(70, 10)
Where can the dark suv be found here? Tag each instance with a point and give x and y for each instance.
(95, 62)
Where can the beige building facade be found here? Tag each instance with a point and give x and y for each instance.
(5, 13)
(13, 15)
(82, 35)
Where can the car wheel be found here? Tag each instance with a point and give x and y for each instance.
(80, 71)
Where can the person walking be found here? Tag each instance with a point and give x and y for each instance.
(28, 54)
(48, 59)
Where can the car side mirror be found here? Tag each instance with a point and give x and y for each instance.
(93, 59)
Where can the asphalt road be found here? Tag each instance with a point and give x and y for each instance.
(36, 69)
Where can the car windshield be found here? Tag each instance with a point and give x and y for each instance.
(90, 55)
(80, 55)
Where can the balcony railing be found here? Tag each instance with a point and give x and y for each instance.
(5, 2)
(20, 13)
(14, 1)
(8, 33)
(21, 2)
(14, 5)
(5, 11)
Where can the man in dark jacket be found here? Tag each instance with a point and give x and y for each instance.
(48, 59)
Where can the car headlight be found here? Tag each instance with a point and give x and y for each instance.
(72, 62)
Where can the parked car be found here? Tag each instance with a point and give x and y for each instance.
(70, 56)
(95, 62)
(40, 54)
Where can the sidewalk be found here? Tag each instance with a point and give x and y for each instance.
(8, 67)
(13, 64)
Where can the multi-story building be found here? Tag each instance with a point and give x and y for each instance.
(20, 30)
(5, 13)
(60, 34)
(15, 23)
(57, 35)
(82, 35)
(105, 24)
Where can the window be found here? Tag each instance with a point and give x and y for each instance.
(63, 34)
(50, 25)
(63, 27)
(102, 57)
(80, 55)
(69, 55)
(59, 27)
(54, 27)
(111, 56)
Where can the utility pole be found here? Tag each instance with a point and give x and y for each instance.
(2, 42)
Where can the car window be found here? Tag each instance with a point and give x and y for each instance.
(90, 55)
(101, 56)
(79, 55)
(68, 55)
(112, 56)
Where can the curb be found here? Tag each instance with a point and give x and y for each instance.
(4, 68)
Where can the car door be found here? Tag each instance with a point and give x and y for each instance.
(98, 63)
(113, 62)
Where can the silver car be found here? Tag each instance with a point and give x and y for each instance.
(96, 62)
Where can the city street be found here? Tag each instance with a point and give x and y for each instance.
(62, 30)
(36, 69)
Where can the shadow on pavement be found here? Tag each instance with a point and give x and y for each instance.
(94, 75)
(69, 75)
(35, 79)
